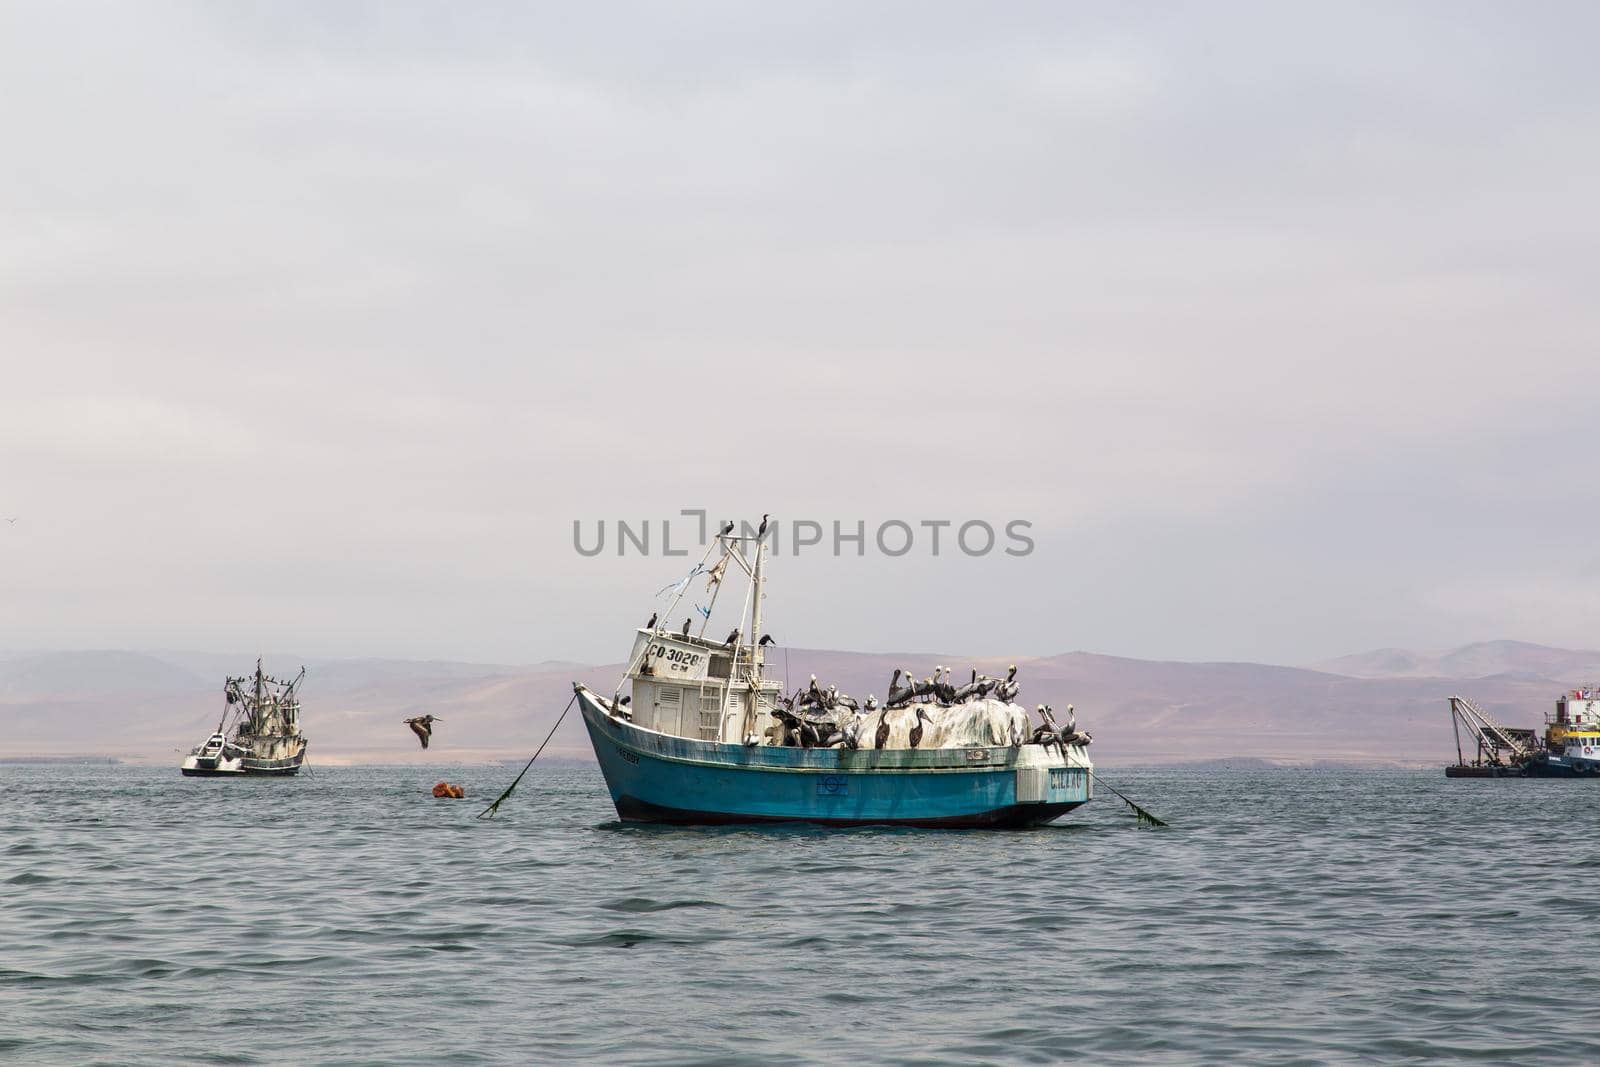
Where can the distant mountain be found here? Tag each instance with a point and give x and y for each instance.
(1384, 706)
(1561, 666)
(58, 675)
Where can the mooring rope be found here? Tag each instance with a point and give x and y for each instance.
(1144, 817)
(492, 808)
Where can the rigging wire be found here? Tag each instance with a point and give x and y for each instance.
(1144, 817)
(492, 808)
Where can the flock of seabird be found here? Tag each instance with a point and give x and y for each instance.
(818, 716)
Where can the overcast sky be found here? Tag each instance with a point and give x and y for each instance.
(319, 327)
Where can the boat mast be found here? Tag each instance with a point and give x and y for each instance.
(755, 623)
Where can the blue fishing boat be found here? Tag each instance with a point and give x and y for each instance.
(703, 736)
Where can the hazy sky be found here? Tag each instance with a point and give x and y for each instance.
(320, 326)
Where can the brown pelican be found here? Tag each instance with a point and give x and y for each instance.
(851, 733)
(1007, 690)
(1050, 721)
(906, 691)
(881, 738)
(968, 691)
(916, 729)
(423, 727)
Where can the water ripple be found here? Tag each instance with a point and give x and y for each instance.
(346, 918)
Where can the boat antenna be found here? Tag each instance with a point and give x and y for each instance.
(492, 808)
(682, 587)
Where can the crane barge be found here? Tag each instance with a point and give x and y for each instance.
(1570, 747)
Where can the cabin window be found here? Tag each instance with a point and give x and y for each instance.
(719, 666)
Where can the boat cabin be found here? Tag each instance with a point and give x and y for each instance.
(694, 688)
(1575, 728)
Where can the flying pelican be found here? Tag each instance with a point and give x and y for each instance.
(423, 727)
(916, 730)
(13, 522)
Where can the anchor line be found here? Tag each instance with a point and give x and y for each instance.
(1144, 817)
(492, 808)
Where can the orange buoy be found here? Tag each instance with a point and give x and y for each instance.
(444, 790)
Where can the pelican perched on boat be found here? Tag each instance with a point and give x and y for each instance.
(1047, 713)
(1008, 689)
(916, 729)
(422, 726)
(850, 734)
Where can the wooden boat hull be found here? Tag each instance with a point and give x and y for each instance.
(660, 778)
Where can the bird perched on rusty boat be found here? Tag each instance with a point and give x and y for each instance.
(422, 726)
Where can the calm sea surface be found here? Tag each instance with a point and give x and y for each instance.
(347, 917)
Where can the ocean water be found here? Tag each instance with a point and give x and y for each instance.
(346, 917)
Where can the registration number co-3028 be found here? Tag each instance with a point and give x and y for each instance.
(679, 659)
